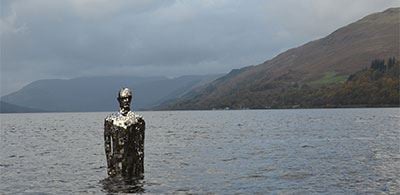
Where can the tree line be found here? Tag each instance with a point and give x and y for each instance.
(377, 85)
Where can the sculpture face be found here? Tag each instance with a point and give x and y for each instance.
(124, 99)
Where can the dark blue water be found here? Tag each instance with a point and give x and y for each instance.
(251, 151)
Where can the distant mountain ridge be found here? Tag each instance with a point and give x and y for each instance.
(325, 61)
(10, 108)
(99, 93)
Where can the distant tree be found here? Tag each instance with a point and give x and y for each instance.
(391, 62)
(351, 77)
(378, 65)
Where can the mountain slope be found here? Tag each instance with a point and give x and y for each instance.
(343, 52)
(99, 93)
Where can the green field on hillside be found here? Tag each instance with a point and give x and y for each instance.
(331, 77)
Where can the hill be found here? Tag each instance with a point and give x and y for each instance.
(376, 86)
(99, 93)
(320, 63)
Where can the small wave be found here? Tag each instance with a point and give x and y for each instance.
(5, 165)
(229, 159)
(43, 153)
(101, 167)
(253, 176)
(295, 175)
(184, 164)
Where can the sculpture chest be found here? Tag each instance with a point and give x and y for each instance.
(124, 147)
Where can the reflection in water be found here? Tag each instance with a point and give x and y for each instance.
(122, 185)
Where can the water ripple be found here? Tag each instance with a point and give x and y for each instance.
(332, 151)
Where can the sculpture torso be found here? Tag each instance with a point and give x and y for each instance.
(124, 140)
(119, 120)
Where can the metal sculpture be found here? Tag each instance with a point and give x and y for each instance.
(124, 140)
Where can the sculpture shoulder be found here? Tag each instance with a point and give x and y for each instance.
(124, 121)
(139, 117)
(132, 115)
(140, 120)
(111, 117)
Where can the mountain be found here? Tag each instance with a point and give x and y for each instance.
(10, 108)
(326, 61)
(99, 93)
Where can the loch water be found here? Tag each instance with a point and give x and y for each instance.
(297, 151)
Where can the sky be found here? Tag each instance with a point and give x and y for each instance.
(46, 39)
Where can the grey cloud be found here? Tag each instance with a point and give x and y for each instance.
(65, 39)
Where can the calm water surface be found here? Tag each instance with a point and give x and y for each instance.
(224, 152)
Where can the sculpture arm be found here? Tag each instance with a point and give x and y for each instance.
(142, 124)
(108, 144)
(140, 128)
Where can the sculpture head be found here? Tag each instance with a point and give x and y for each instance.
(124, 99)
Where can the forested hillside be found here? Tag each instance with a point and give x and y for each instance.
(355, 65)
(375, 86)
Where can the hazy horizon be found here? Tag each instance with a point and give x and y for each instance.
(43, 39)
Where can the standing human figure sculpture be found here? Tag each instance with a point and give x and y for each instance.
(124, 140)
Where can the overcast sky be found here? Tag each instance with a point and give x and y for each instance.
(43, 39)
